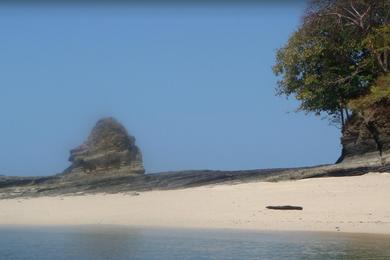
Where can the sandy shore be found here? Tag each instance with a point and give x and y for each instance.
(347, 204)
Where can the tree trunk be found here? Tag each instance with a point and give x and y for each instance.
(342, 118)
(347, 114)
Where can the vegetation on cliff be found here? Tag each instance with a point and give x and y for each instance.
(337, 62)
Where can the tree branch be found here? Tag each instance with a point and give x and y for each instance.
(346, 17)
(353, 8)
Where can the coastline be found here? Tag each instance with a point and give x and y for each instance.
(333, 204)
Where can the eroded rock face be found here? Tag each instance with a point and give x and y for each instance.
(109, 150)
(367, 135)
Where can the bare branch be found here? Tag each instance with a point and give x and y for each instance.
(346, 17)
(351, 13)
(366, 12)
(353, 8)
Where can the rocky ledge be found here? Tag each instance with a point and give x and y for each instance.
(366, 136)
(13, 187)
(109, 150)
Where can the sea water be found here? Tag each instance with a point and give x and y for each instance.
(113, 242)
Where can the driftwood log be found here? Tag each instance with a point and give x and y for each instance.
(286, 207)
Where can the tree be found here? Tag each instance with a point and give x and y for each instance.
(336, 55)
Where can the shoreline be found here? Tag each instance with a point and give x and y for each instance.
(107, 228)
(333, 204)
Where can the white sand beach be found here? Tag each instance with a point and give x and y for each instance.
(347, 204)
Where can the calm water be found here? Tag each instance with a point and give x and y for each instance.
(128, 243)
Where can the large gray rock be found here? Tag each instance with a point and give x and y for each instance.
(367, 135)
(108, 150)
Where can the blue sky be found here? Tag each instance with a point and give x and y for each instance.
(194, 85)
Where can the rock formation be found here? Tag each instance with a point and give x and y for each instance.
(367, 135)
(109, 149)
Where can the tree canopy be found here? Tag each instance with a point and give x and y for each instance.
(336, 57)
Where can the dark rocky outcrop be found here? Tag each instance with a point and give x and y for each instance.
(12, 187)
(366, 135)
(109, 150)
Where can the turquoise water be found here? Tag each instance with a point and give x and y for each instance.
(106, 242)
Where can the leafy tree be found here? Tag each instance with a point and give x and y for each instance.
(336, 55)
(379, 93)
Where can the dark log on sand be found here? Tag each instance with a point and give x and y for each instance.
(287, 207)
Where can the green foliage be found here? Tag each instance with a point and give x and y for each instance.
(314, 69)
(378, 39)
(379, 92)
(335, 56)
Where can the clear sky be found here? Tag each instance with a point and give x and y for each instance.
(193, 84)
